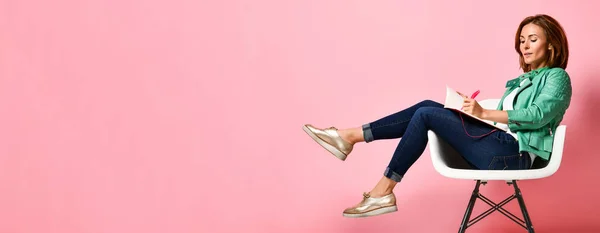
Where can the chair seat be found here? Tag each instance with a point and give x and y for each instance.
(449, 163)
(494, 175)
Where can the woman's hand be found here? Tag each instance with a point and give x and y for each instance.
(472, 107)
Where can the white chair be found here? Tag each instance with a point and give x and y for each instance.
(450, 164)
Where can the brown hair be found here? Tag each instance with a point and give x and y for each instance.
(555, 36)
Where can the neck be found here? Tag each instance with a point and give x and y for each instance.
(537, 66)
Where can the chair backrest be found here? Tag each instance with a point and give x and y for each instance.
(557, 149)
(489, 103)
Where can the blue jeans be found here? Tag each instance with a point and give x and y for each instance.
(496, 151)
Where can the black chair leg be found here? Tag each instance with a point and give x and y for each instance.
(525, 222)
(523, 208)
(465, 221)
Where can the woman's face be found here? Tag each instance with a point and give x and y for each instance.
(534, 46)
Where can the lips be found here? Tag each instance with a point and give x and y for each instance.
(526, 54)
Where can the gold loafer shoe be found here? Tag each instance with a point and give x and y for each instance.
(330, 140)
(371, 206)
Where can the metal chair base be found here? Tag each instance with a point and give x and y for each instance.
(467, 222)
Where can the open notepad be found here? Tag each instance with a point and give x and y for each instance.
(455, 101)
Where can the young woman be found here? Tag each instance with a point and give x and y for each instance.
(530, 110)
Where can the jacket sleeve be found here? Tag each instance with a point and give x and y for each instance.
(553, 99)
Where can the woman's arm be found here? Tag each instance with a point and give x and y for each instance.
(553, 99)
(472, 107)
(495, 115)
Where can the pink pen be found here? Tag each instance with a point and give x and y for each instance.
(475, 94)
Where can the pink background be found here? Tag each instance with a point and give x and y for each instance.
(185, 116)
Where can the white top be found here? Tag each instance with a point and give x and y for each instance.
(507, 104)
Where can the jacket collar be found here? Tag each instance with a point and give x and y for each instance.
(526, 78)
(526, 83)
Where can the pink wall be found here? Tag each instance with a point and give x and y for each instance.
(185, 116)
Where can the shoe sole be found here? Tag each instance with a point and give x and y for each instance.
(337, 153)
(375, 212)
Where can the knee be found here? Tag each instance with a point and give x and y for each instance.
(423, 116)
(429, 103)
(424, 112)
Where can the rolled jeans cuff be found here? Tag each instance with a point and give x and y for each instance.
(367, 133)
(392, 175)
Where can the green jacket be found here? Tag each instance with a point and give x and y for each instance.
(539, 107)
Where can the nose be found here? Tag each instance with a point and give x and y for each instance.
(526, 45)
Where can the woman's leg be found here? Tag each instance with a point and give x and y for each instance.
(340, 142)
(495, 151)
(388, 127)
(450, 126)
